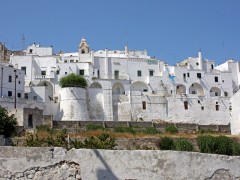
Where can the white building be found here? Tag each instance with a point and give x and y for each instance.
(11, 86)
(128, 86)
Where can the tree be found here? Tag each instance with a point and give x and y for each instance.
(8, 123)
(73, 80)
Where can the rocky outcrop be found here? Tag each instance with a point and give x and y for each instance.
(57, 163)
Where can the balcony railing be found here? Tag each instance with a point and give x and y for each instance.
(44, 77)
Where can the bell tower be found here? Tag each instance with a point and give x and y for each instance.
(83, 47)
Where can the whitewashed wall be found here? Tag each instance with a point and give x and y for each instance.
(73, 106)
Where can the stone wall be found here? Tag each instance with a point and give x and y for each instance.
(57, 163)
(72, 126)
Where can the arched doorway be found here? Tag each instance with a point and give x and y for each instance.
(196, 88)
(96, 102)
(139, 86)
(214, 91)
(180, 89)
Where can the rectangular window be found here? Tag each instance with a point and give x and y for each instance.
(57, 72)
(217, 107)
(139, 73)
(26, 95)
(211, 66)
(188, 74)
(216, 79)
(202, 107)
(185, 105)
(19, 82)
(30, 121)
(43, 73)
(9, 78)
(184, 76)
(225, 94)
(65, 61)
(81, 72)
(151, 73)
(24, 69)
(199, 75)
(71, 61)
(9, 93)
(116, 74)
(98, 74)
(19, 95)
(144, 105)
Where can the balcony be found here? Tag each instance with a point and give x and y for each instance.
(44, 77)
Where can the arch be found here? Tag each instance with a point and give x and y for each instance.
(214, 91)
(118, 88)
(180, 89)
(46, 92)
(139, 86)
(196, 88)
(96, 85)
(45, 83)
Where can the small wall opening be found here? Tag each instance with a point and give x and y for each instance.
(185, 105)
(30, 121)
(144, 106)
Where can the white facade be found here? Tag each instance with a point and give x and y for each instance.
(11, 83)
(130, 86)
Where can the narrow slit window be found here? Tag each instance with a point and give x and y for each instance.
(144, 105)
(30, 121)
(185, 105)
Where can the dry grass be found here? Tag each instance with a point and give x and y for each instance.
(143, 135)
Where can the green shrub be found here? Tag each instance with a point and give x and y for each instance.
(93, 127)
(73, 80)
(183, 145)
(122, 129)
(151, 130)
(235, 149)
(171, 129)
(166, 143)
(55, 138)
(103, 141)
(206, 131)
(217, 145)
(8, 123)
(206, 144)
(223, 145)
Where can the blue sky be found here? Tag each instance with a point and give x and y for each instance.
(170, 30)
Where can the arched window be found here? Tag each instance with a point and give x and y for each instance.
(118, 88)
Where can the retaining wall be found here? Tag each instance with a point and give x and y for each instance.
(57, 163)
(182, 127)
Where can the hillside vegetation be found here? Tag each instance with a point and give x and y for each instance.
(97, 137)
